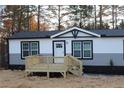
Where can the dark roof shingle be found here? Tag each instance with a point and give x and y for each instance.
(37, 34)
(110, 32)
(47, 34)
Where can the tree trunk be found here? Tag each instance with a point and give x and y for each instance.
(116, 15)
(13, 22)
(100, 15)
(80, 24)
(59, 19)
(113, 17)
(38, 19)
(28, 26)
(95, 23)
(19, 21)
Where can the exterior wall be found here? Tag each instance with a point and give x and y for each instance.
(46, 47)
(15, 59)
(104, 49)
(15, 49)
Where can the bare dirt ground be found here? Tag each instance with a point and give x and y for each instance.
(17, 79)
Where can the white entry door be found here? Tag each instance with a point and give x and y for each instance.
(59, 51)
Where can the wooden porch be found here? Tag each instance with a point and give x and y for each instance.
(46, 64)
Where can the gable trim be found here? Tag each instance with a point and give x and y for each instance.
(81, 30)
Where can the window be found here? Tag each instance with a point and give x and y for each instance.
(29, 48)
(82, 49)
(25, 49)
(58, 45)
(77, 49)
(87, 49)
(34, 48)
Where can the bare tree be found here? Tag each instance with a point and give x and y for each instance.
(95, 23)
(38, 19)
(100, 16)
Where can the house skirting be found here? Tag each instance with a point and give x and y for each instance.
(16, 67)
(117, 70)
(104, 69)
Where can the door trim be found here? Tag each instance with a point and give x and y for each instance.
(59, 41)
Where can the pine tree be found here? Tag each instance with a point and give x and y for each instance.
(58, 13)
(79, 14)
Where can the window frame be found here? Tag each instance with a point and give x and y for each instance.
(91, 49)
(77, 49)
(22, 50)
(82, 50)
(30, 50)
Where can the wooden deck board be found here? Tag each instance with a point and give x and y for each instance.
(45, 64)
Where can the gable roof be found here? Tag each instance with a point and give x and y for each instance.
(110, 32)
(76, 28)
(48, 34)
(37, 34)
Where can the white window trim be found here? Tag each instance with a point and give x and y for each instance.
(33, 49)
(24, 49)
(30, 50)
(82, 50)
(88, 49)
(77, 49)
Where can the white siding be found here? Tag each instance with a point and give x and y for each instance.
(70, 34)
(104, 46)
(45, 45)
(108, 45)
(14, 46)
(100, 45)
(83, 34)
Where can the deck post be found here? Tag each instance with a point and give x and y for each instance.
(71, 64)
(27, 73)
(48, 74)
(80, 68)
(65, 74)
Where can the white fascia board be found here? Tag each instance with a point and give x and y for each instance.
(62, 32)
(77, 29)
(89, 32)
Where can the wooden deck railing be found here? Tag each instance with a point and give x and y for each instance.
(46, 64)
(74, 65)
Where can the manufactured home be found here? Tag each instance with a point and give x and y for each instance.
(99, 50)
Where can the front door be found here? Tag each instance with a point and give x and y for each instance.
(59, 51)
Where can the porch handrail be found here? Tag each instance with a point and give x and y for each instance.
(45, 64)
(74, 65)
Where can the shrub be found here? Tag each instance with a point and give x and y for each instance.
(111, 62)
